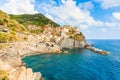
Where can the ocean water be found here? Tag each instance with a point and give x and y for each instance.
(79, 64)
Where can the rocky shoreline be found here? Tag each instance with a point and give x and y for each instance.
(47, 42)
(18, 41)
(94, 49)
(11, 55)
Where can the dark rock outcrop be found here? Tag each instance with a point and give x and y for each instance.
(94, 49)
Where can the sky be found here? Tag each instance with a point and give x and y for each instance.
(97, 19)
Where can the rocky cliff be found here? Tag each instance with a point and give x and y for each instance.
(72, 38)
(71, 43)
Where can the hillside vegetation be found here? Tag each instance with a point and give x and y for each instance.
(9, 27)
(11, 24)
(13, 27)
(33, 19)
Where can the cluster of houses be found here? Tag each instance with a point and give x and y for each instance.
(55, 34)
(50, 33)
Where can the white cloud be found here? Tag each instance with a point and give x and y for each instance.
(69, 13)
(19, 7)
(88, 31)
(116, 15)
(49, 16)
(103, 30)
(112, 24)
(83, 26)
(32, 1)
(86, 5)
(105, 4)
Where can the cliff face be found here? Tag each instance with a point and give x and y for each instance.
(71, 43)
(72, 38)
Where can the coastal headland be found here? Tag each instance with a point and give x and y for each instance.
(18, 40)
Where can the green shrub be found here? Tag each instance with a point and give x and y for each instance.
(25, 38)
(37, 31)
(7, 37)
(1, 22)
(5, 20)
(3, 46)
(4, 74)
(78, 37)
(11, 23)
(3, 37)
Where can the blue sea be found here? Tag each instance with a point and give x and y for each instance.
(79, 64)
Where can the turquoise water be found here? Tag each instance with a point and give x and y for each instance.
(79, 64)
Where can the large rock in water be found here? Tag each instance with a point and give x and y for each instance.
(71, 43)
